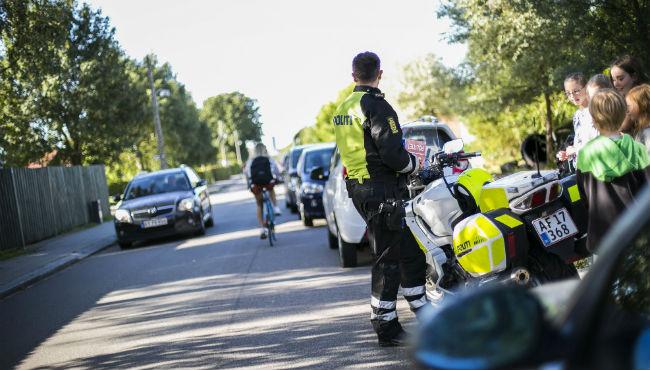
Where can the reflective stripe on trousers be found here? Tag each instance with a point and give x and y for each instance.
(382, 310)
(415, 296)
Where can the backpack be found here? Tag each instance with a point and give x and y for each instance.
(261, 171)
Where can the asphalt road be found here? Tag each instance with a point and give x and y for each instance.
(224, 300)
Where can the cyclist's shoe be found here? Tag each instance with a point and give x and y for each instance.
(263, 233)
(277, 211)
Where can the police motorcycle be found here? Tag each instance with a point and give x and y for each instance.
(525, 228)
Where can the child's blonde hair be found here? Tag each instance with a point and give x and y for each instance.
(608, 109)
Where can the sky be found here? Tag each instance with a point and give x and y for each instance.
(291, 56)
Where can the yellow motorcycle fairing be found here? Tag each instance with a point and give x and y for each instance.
(479, 246)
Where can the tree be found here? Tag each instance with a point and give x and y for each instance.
(430, 88)
(323, 129)
(232, 111)
(65, 84)
(521, 50)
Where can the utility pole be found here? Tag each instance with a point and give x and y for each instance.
(156, 119)
(237, 144)
(222, 143)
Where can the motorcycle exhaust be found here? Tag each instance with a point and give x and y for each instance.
(520, 276)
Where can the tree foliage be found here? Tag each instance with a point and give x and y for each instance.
(323, 130)
(65, 84)
(432, 89)
(232, 111)
(519, 53)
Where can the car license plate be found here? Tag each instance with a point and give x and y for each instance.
(555, 227)
(154, 222)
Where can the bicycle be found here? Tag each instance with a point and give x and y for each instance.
(268, 215)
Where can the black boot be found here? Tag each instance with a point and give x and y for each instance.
(398, 340)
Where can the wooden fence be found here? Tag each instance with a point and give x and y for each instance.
(36, 204)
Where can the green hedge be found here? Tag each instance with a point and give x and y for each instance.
(212, 174)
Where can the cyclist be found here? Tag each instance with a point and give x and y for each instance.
(261, 172)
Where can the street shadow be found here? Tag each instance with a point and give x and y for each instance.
(238, 315)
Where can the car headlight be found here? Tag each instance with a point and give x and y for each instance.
(123, 215)
(186, 204)
(311, 188)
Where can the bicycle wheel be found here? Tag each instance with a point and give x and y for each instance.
(270, 227)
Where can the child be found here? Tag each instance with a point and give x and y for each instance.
(597, 82)
(612, 168)
(638, 112)
(583, 128)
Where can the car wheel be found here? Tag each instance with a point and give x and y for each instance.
(347, 252)
(210, 221)
(332, 239)
(201, 230)
(307, 221)
(124, 245)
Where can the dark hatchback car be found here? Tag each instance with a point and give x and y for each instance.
(313, 163)
(601, 322)
(163, 203)
(290, 174)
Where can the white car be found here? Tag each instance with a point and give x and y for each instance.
(346, 228)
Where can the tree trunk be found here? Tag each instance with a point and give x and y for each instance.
(549, 129)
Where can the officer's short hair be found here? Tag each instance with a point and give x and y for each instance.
(365, 66)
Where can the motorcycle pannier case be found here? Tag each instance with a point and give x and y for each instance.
(489, 243)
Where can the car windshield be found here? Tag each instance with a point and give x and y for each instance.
(317, 158)
(157, 184)
(433, 137)
(295, 156)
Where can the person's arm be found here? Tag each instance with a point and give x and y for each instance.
(387, 135)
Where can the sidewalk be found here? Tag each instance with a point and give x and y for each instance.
(49, 256)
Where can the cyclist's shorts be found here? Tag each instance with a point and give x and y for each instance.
(257, 188)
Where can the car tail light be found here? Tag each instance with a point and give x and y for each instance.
(345, 172)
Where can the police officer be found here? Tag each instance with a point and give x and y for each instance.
(369, 139)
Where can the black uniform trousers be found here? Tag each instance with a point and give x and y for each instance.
(398, 260)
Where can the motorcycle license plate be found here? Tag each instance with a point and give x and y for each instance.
(154, 223)
(555, 227)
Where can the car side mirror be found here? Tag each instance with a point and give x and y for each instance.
(117, 198)
(453, 146)
(318, 173)
(201, 182)
(492, 328)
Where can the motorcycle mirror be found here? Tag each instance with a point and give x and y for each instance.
(453, 146)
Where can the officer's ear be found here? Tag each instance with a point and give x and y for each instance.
(354, 77)
(379, 74)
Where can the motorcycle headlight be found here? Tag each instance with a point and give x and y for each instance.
(311, 188)
(186, 204)
(123, 215)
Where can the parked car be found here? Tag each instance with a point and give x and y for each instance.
(309, 189)
(601, 322)
(346, 229)
(290, 175)
(162, 203)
